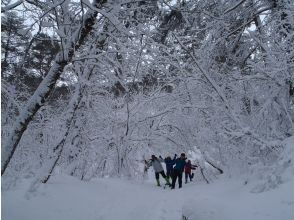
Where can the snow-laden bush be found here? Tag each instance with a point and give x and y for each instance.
(207, 167)
(279, 171)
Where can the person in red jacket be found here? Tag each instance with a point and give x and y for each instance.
(188, 171)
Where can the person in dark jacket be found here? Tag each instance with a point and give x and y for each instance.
(188, 171)
(169, 165)
(158, 169)
(178, 170)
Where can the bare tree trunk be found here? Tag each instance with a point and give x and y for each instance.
(204, 177)
(46, 86)
(59, 147)
(211, 164)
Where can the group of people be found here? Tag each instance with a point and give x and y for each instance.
(174, 169)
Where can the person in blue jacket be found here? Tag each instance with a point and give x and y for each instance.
(169, 165)
(178, 170)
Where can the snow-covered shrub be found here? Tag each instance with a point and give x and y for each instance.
(280, 170)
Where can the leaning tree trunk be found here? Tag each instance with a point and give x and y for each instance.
(46, 86)
(73, 108)
(59, 147)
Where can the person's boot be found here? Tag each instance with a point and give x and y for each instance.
(174, 179)
(167, 181)
(158, 183)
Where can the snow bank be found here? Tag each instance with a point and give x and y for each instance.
(230, 200)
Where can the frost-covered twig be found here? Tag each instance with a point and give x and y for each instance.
(234, 7)
(12, 6)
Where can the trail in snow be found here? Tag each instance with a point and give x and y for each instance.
(67, 198)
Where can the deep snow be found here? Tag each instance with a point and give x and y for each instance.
(67, 198)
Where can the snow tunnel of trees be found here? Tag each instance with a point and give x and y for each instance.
(91, 88)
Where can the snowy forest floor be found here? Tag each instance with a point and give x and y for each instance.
(67, 198)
